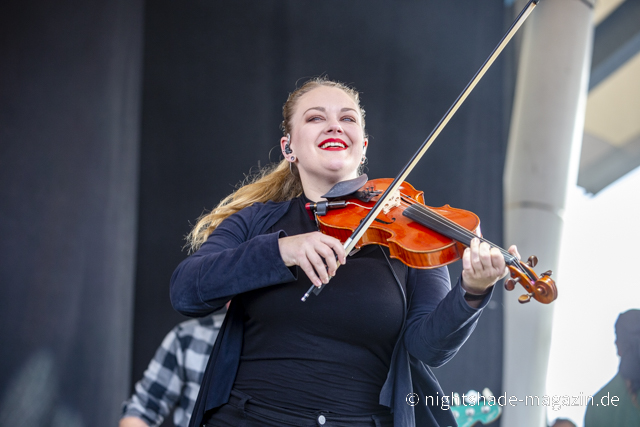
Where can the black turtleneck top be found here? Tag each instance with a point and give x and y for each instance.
(332, 352)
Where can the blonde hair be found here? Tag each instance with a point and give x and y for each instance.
(277, 182)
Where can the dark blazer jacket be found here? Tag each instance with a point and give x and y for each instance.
(239, 257)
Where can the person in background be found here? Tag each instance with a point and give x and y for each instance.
(563, 422)
(617, 403)
(172, 379)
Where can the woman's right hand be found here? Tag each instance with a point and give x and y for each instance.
(315, 253)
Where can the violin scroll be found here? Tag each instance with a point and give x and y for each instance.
(542, 288)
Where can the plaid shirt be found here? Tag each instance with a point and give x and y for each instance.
(173, 377)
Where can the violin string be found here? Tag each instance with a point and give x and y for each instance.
(463, 235)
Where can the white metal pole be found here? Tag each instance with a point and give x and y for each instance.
(542, 162)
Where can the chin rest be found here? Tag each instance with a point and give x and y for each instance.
(346, 188)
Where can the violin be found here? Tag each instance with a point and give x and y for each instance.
(393, 213)
(418, 235)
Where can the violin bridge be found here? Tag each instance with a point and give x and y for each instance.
(392, 202)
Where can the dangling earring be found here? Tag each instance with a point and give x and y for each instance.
(364, 152)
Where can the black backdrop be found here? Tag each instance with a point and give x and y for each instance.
(69, 137)
(215, 76)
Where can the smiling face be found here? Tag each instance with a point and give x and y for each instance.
(327, 139)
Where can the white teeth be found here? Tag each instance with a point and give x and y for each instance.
(332, 144)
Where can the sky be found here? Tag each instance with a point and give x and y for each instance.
(597, 280)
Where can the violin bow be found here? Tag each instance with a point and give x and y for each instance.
(357, 234)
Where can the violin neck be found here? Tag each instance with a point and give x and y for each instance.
(440, 224)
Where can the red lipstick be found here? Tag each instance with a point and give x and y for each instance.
(333, 144)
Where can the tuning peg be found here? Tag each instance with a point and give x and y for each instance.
(511, 284)
(532, 261)
(472, 397)
(486, 393)
(523, 299)
(547, 273)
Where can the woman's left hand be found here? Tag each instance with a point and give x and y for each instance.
(483, 266)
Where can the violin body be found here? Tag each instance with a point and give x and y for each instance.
(421, 236)
(412, 243)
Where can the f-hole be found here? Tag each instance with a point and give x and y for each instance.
(381, 221)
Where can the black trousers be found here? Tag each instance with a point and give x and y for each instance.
(243, 411)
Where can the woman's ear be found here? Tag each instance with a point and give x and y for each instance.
(285, 145)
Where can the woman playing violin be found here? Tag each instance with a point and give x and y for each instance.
(356, 355)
